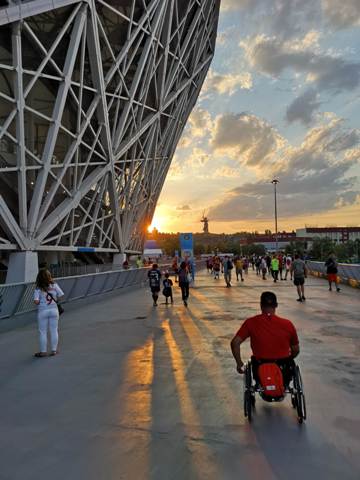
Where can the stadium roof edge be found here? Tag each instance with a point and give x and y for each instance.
(15, 13)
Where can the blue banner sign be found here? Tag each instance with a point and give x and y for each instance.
(186, 245)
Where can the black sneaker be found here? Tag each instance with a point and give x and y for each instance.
(303, 298)
(299, 299)
(338, 289)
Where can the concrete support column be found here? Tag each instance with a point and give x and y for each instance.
(23, 267)
(119, 259)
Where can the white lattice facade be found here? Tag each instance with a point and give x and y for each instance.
(94, 96)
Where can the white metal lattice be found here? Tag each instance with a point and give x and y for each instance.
(94, 96)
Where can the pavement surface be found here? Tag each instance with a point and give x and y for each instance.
(139, 392)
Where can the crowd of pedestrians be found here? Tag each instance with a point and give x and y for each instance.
(278, 267)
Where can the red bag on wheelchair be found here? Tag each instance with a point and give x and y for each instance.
(271, 380)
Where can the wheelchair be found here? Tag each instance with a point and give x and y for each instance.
(295, 389)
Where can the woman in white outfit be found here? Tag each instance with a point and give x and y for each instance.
(46, 295)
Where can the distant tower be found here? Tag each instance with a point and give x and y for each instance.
(205, 221)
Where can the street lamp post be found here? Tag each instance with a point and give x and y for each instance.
(275, 182)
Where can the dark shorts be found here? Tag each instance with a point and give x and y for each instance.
(299, 281)
(155, 289)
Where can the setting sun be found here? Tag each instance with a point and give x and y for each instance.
(157, 223)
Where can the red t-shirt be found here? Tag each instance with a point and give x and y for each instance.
(270, 336)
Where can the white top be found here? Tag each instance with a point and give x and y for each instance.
(44, 298)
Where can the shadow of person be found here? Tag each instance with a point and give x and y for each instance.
(294, 450)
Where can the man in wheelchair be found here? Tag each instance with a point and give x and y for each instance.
(272, 339)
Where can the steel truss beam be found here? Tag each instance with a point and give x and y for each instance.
(94, 97)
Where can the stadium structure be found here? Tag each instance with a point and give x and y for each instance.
(94, 96)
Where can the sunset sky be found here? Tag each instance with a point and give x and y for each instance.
(282, 99)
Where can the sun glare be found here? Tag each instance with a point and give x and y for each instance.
(157, 223)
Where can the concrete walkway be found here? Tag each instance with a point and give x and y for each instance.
(152, 393)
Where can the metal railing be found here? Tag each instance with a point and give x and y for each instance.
(347, 272)
(18, 298)
(72, 269)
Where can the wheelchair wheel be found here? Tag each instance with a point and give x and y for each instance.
(299, 396)
(248, 401)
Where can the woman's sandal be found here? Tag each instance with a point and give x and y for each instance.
(40, 354)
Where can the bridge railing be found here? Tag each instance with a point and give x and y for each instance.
(16, 299)
(348, 273)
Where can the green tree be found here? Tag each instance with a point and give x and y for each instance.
(321, 248)
(296, 246)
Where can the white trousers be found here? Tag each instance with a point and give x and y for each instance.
(48, 319)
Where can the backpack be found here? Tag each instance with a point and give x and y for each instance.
(229, 265)
(271, 379)
(299, 268)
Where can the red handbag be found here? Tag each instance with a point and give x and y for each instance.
(271, 380)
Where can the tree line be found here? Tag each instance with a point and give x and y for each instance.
(348, 252)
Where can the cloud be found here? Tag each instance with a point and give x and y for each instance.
(231, 5)
(198, 158)
(285, 18)
(272, 56)
(227, 84)
(290, 18)
(227, 172)
(198, 127)
(245, 137)
(303, 107)
(342, 14)
(315, 177)
(200, 123)
(183, 208)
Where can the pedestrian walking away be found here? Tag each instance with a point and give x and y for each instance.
(154, 276)
(239, 269)
(288, 263)
(167, 290)
(275, 268)
(264, 268)
(184, 282)
(258, 265)
(228, 266)
(299, 271)
(281, 266)
(268, 263)
(332, 271)
(175, 268)
(246, 265)
(216, 267)
(46, 297)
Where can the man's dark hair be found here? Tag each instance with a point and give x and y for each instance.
(268, 299)
(297, 255)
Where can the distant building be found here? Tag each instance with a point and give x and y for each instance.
(336, 234)
(152, 249)
(269, 241)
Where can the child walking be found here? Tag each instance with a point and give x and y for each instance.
(167, 290)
